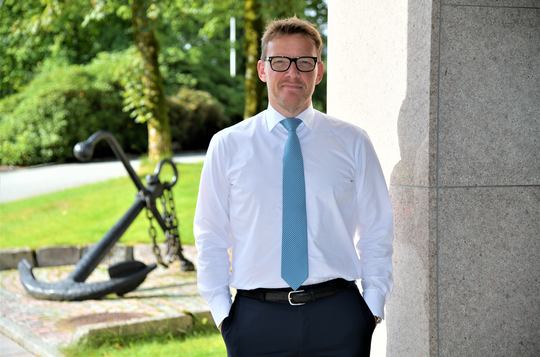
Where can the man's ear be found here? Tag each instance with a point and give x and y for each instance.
(320, 72)
(261, 70)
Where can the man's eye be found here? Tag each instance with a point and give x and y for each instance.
(280, 61)
(306, 61)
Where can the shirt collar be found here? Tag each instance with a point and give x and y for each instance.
(273, 117)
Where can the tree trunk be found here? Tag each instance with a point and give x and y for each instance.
(159, 131)
(253, 86)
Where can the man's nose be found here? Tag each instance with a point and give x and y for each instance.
(293, 70)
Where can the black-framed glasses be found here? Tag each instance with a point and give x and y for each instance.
(283, 63)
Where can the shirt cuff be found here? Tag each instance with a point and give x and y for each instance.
(375, 302)
(220, 307)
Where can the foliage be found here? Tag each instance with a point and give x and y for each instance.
(124, 70)
(195, 116)
(59, 108)
(38, 35)
(34, 30)
(194, 50)
(83, 214)
(316, 11)
(194, 37)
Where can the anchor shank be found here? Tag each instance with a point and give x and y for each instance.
(117, 149)
(85, 150)
(90, 261)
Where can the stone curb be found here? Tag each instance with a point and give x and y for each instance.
(29, 341)
(145, 326)
(9, 258)
(59, 255)
(156, 325)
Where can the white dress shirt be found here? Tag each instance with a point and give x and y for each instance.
(239, 207)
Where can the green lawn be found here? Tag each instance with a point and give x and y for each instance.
(206, 344)
(82, 215)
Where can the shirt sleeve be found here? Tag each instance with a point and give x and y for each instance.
(375, 228)
(212, 232)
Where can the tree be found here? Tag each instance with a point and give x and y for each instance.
(159, 131)
(253, 23)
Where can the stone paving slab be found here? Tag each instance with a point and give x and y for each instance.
(11, 349)
(166, 302)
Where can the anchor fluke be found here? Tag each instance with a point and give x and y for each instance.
(70, 290)
(125, 269)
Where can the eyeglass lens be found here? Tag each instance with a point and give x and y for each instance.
(303, 64)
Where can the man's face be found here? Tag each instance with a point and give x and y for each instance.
(290, 92)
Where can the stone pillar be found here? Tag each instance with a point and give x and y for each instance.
(457, 82)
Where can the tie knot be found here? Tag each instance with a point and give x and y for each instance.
(291, 124)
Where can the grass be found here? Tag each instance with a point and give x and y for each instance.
(82, 215)
(205, 342)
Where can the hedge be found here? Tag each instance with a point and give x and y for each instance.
(65, 105)
(58, 109)
(194, 117)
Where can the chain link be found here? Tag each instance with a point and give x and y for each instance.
(172, 234)
(152, 233)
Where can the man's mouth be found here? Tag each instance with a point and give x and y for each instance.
(292, 85)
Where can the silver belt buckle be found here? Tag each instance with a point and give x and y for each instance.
(289, 298)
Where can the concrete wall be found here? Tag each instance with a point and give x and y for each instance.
(449, 92)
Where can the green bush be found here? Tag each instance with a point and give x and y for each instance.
(194, 117)
(64, 104)
(56, 110)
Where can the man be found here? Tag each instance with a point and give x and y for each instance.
(299, 199)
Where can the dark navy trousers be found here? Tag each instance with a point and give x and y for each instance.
(337, 326)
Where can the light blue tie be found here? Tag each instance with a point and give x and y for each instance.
(294, 257)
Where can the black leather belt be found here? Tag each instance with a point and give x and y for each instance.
(303, 295)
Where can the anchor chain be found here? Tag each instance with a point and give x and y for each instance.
(152, 233)
(172, 234)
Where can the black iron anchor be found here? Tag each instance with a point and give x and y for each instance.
(125, 276)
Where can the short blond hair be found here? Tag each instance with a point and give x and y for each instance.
(291, 26)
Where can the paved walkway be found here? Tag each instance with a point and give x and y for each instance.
(27, 182)
(12, 349)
